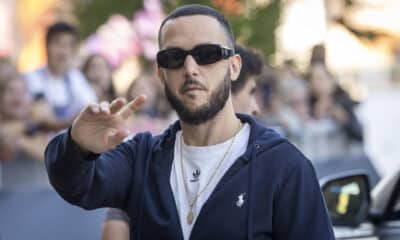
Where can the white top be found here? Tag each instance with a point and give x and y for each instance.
(199, 165)
(58, 93)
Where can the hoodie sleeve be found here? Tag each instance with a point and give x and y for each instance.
(89, 181)
(299, 210)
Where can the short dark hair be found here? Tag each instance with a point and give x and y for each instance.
(197, 9)
(252, 65)
(60, 27)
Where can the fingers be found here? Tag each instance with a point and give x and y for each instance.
(100, 108)
(132, 106)
(117, 105)
(104, 107)
(92, 108)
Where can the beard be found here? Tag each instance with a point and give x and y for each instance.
(204, 112)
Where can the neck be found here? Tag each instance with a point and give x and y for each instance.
(56, 72)
(216, 130)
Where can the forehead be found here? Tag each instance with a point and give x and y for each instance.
(63, 37)
(189, 31)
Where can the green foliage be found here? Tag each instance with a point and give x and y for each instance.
(92, 13)
(255, 28)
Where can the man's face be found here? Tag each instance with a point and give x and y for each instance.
(245, 101)
(60, 50)
(197, 92)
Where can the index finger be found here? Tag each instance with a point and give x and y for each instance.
(132, 106)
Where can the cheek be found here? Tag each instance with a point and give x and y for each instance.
(173, 79)
(253, 100)
(240, 102)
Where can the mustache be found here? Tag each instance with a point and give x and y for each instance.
(192, 82)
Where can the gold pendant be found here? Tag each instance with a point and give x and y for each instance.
(190, 217)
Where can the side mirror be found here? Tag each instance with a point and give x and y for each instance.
(347, 197)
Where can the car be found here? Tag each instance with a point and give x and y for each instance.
(359, 213)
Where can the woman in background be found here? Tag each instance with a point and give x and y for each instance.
(98, 72)
(23, 134)
(334, 130)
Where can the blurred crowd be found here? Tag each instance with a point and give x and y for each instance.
(310, 108)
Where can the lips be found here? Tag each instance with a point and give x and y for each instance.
(192, 87)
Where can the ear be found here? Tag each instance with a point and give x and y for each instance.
(235, 65)
(161, 75)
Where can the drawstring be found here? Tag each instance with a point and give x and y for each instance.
(250, 193)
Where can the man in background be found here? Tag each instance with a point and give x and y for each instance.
(244, 88)
(59, 84)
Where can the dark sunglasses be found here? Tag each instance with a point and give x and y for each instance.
(173, 58)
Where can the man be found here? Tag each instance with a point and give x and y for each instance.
(116, 224)
(213, 174)
(62, 86)
(244, 88)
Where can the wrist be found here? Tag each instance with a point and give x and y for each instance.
(84, 152)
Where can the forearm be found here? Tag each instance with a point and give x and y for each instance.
(116, 225)
(115, 230)
(89, 180)
(69, 172)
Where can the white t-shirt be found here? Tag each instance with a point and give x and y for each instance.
(74, 95)
(199, 165)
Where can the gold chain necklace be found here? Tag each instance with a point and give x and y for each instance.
(190, 215)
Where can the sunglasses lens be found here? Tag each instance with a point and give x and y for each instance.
(207, 54)
(174, 58)
(171, 58)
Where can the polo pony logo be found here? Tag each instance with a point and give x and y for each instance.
(240, 201)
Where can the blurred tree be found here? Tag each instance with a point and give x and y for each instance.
(92, 13)
(253, 21)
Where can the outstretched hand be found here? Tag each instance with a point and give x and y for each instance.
(101, 127)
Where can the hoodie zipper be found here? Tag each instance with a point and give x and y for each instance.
(250, 187)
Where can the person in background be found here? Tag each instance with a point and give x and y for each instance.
(272, 102)
(334, 125)
(22, 135)
(296, 110)
(98, 72)
(244, 88)
(59, 83)
(116, 223)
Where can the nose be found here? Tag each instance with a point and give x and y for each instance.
(190, 66)
(254, 108)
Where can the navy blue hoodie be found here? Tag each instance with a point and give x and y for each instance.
(283, 200)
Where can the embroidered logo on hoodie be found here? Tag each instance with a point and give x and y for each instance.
(240, 201)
